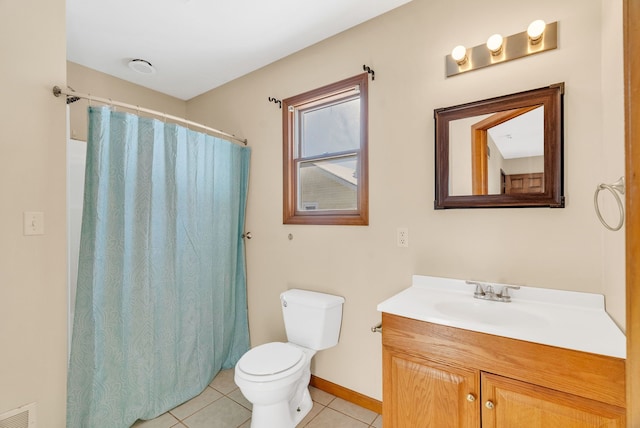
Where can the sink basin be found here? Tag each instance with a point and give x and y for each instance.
(566, 319)
(487, 312)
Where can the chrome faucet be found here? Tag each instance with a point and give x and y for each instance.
(486, 292)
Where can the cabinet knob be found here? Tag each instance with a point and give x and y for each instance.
(489, 404)
(471, 398)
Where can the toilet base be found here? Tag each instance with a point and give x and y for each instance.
(280, 414)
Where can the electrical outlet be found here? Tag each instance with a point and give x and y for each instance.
(403, 237)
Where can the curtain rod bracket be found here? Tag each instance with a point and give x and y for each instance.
(370, 71)
(276, 101)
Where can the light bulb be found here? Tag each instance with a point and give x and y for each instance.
(459, 54)
(535, 30)
(494, 44)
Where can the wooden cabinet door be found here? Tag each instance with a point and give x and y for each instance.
(419, 393)
(516, 184)
(507, 403)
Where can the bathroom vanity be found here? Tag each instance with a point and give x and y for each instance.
(548, 358)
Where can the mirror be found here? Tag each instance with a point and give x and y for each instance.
(501, 152)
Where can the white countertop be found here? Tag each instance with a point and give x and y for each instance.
(565, 319)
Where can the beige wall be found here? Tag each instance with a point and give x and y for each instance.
(33, 290)
(88, 81)
(460, 178)
(523, 165)
(611, 162)
(560, 248)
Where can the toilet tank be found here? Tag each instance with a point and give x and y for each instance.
(312, 319)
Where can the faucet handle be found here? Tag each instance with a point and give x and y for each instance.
(504, 293)
(479, 290)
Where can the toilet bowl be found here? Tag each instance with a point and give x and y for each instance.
(274, 377)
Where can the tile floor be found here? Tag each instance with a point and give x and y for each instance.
(222, 405)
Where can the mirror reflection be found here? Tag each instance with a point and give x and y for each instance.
(512, 143)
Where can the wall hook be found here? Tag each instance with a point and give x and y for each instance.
(370, 71)
(274, 100)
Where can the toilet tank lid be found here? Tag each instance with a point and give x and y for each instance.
(311, 298)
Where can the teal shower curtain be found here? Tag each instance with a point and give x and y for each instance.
(161, 297)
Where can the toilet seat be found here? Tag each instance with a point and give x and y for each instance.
(271, 360)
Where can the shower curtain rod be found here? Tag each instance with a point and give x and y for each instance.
(57, 92)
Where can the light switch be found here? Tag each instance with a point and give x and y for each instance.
(34, 223)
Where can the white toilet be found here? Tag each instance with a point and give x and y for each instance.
(274, 377)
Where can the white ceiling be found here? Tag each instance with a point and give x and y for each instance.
(197, 45)
(522, 136)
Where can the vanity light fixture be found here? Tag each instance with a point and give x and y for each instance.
(459, 54)
(535, 30)
(539, 37)
(494, 44)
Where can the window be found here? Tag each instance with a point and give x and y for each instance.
(325, 155)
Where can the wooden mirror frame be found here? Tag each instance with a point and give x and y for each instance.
(551, 97)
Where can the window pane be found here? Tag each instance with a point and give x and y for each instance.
(328, 184)
(325, 172)
(331, 128)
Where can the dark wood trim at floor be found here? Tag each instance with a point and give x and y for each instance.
(346, 394)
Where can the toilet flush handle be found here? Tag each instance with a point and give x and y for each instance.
(284, 302)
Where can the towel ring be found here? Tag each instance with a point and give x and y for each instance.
(615, 188)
